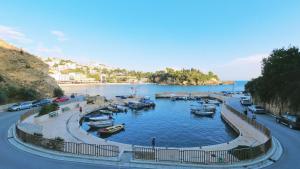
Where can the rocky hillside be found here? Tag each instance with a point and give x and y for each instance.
(19, 69)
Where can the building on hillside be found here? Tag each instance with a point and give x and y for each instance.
(102, 78)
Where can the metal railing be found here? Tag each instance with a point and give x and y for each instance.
(200, 156)
(251, 121)
(60, 145)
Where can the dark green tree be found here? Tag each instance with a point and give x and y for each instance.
(57, 92)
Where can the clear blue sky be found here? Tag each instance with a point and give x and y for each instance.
(226, 36)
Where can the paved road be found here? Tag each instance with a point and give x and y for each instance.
(13, 158)
(289, 138)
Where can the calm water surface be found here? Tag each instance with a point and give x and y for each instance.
(171, 123)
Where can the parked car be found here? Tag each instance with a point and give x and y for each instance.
(256, 109)
(292, 121)
(246, 102)
(41, 102)
(61, 99)
(20, 106)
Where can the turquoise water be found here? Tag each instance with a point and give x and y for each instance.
(171, 123)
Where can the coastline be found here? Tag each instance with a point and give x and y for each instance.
(100, 84)
(142, 83)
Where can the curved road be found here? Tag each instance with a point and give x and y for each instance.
(289, 138)
(13, 158)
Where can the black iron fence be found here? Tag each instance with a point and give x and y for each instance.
(58, 144)
(200, 156)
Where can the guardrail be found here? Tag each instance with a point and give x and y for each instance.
(252, 122)
(58, 144)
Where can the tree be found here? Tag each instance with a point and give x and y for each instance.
(48, 108)
(57, 92)
(280, 80)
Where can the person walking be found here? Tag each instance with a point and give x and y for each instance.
(153, 142)
(80, 109)
(245, 111)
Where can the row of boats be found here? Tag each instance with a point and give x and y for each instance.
(104, 123)
(103, 120)
(142, 103)
(205, 108)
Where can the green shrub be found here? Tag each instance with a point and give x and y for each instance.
(57, 92)
(27, 94)
(1, 79)
(48, 108)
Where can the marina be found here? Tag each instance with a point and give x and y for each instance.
(171, 123)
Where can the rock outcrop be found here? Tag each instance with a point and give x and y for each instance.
(22, 69)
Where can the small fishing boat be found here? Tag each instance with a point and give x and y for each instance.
(119, 108)
(100, 124)
(112, 129)
(99, 118)
(202, 112)
(105, 112)
(209, 107)
(215, 102)
(174, 98)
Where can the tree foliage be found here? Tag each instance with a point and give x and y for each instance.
(10, 93)
(280, 79)
(58, 92)
(48, 108)
(184, 76)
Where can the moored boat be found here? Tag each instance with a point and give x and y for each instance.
(202, 112)
(215, 102)
(209, 107)
(99, 118)
(105, 112)
(112, 129)
(99, 124)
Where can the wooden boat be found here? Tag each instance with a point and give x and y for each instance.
(112, 129)
(101, 124)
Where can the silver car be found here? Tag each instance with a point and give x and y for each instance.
(20, 106)
(256, 109)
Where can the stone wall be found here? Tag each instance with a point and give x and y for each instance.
(276, 107)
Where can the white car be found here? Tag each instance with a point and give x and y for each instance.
(256, 109)
(246, 102)
(20, 106)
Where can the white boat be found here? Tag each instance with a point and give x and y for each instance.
(100, 118)
(99, 124)
(209, 107)
(202, 112)
(215, 102)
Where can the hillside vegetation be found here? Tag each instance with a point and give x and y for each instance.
(184, 77)
(22, 75)
(279, 84)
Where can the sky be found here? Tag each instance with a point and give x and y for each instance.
(228, 37)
